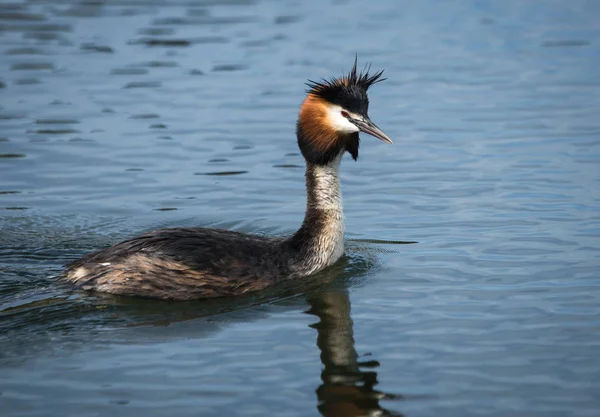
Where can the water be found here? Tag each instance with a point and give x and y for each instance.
(120, 118)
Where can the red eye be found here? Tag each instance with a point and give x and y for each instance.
(344, 114)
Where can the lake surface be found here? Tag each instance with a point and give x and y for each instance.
(120, 118)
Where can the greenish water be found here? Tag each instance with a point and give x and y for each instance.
(123, 117)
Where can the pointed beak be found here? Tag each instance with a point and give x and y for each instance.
(366, 125)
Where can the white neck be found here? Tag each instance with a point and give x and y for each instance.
(321, 236)
(326, 193)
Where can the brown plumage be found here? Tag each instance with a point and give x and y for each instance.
(191, 263)
(314, 119)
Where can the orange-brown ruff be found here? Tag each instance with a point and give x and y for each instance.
(192, 263)
(314, 116)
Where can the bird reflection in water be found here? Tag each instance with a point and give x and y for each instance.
(347, 390)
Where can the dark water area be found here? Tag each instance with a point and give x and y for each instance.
(124, 116)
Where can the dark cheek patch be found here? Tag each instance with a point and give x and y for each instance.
(352, 144)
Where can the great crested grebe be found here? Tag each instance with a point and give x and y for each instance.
(192, 263)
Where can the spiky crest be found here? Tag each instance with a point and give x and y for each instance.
(349, 91)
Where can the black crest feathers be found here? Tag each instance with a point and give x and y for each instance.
(349, 91)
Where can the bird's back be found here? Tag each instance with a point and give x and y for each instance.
(183, 263)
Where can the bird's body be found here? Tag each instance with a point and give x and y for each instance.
(192, 263)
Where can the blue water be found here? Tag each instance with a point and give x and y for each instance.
(123, 117)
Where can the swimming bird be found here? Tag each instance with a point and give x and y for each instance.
(193, 263)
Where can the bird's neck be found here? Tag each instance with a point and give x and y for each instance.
(320, 240)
